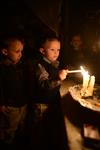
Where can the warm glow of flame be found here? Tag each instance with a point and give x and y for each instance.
(88, 83)
(84, 72)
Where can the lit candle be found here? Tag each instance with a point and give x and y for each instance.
(86, 78)
(74, 71)
(91, 86)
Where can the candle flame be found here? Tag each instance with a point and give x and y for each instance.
(88, 83)
(84, 72)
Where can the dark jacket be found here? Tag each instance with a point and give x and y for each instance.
(13, 90)
(47, 82)
(46, 91)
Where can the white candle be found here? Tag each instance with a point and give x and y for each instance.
(88, 83)
(86, 78)
(74, 71)
(91, 86)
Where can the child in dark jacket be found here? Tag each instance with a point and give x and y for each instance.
(13, 93)
(48, 112)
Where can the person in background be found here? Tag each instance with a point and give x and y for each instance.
(49, 128)
(13, 91)
(76, 56)
(76, 52)
(93, 59)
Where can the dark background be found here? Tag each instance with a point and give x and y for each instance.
(31, 18)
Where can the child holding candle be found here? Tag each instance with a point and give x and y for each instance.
(47, 98)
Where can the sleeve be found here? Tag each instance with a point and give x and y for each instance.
(45, 81)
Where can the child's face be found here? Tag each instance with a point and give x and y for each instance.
(76, 42)
(51, 50)
(14, 52)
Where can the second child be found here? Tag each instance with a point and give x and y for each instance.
(13, 93)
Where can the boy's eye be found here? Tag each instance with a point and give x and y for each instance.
(55, 50)
(52, 49)
(18, 51)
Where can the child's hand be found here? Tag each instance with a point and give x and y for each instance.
(63, 73)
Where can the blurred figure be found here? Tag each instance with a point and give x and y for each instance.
(76, 53)
(93, 59)
(76, 56)
(76, 42)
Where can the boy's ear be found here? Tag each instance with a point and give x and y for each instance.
(42, 50)
(4, 51)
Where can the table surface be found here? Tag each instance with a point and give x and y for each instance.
(92, 103)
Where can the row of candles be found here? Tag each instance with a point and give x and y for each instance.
(88, 82)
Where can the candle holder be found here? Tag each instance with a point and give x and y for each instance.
(91, 102)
